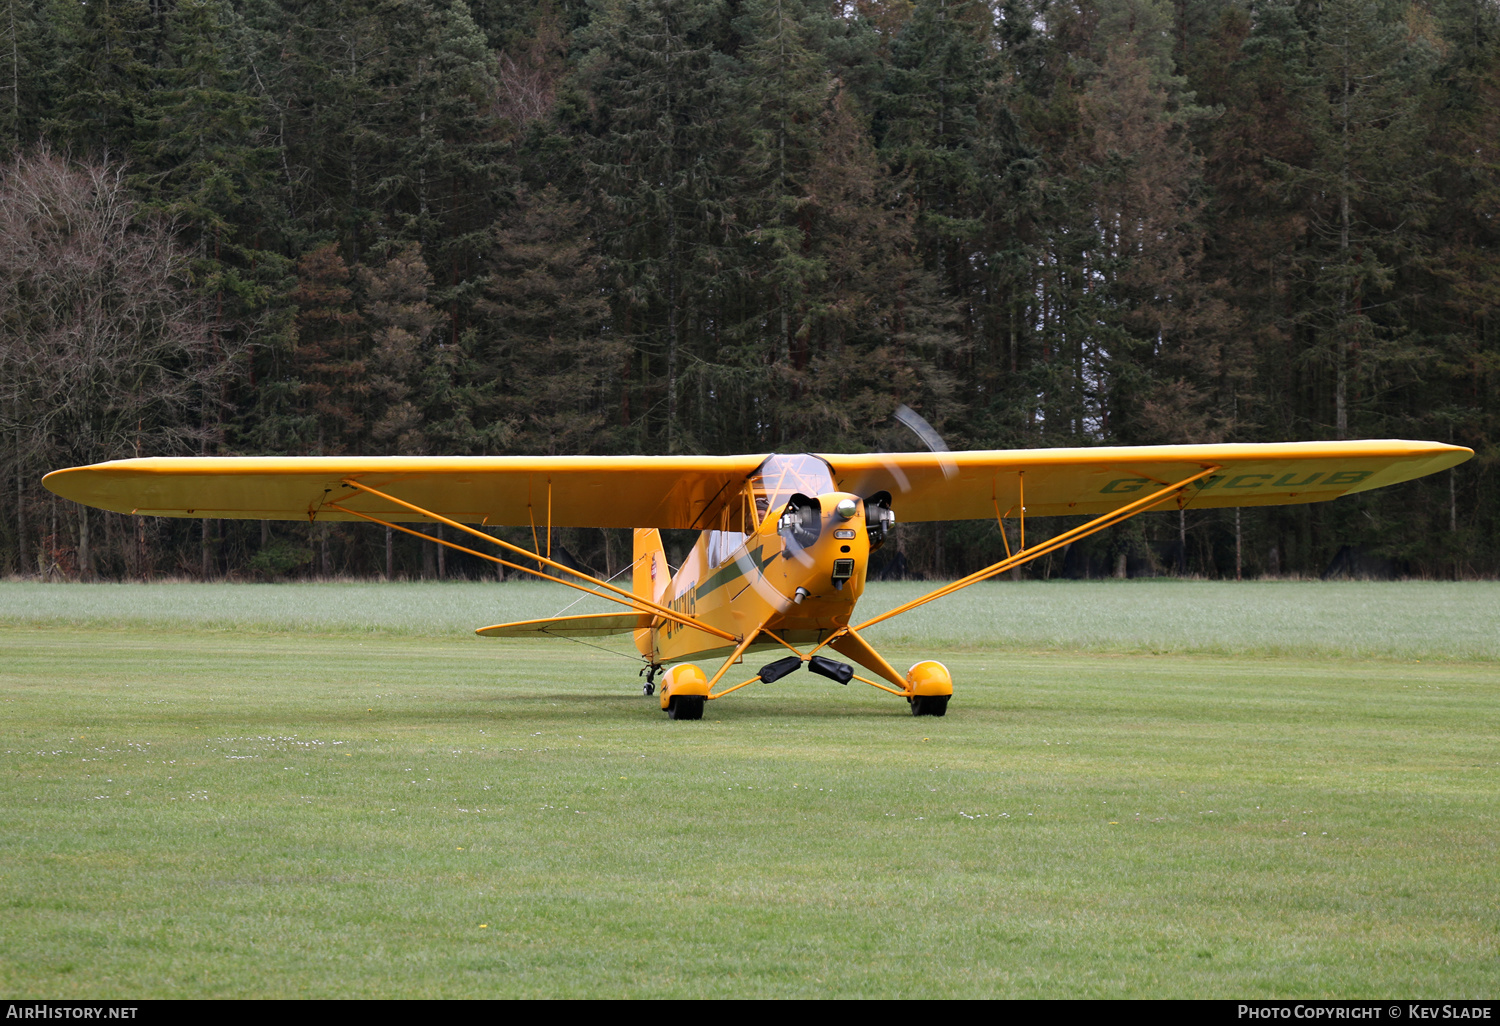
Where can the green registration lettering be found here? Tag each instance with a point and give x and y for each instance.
(1247, 477)
(1123, 484)
(1285, 481)
(1348, 477)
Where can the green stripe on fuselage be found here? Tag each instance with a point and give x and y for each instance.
(731, 572)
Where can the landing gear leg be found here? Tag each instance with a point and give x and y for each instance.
(927, 686)
(649, 688)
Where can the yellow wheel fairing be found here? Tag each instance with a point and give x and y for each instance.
(929, 677)
(683, 679)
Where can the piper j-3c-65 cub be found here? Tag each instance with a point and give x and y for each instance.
(785, 539)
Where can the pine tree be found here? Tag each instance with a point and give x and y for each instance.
(201, 162)
(657, 166)
(548, 351)
(197, 131)
(1450, 299)
(329, 358)
(1160, 327)
(319, 63)
(442, 161)
(394, 303)
(28, 70)
(879, 323)
(1364, 183)
(1252, 74)
(104, 78)
(927, 124)
(783, 84)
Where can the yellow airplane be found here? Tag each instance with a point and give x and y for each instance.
(785, 539)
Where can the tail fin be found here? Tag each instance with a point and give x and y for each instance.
(649, 576)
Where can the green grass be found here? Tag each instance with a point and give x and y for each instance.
(199, 801)
(1396, 620)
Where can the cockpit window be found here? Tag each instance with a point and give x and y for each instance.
(780, 477)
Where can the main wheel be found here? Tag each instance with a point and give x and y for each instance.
(685, 707)
(929, 705)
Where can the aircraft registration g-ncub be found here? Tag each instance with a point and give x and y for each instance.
(785, 539)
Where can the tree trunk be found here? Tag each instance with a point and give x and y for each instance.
(1182, 543)
(85, 554)
(1237, 549)
(1341, 373)
(20, 509)
(15, 79)
(671, 327)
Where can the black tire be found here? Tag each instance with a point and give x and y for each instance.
(685, 707)
(929, 705)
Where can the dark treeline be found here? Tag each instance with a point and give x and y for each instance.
(423, 226)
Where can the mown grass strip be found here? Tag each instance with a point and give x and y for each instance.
(1360, 619)
(197, 814)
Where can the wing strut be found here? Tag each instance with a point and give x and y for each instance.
(625, 598)
(1025, 555)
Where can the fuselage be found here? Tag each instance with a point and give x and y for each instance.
(797, 572)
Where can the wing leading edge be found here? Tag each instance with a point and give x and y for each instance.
(1059, 482)
(566, 491)
(690, 491)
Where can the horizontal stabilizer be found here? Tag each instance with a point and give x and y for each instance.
(589, 625)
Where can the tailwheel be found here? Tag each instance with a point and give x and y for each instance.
(929, 705)
(685, 707)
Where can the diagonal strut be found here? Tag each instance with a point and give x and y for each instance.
(611, 592)
(1099, 523)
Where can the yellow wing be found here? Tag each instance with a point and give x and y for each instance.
(1057, 482)
(589, 625)
(690, 491)
(566, 491)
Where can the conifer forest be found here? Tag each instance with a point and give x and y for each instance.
(321, 227)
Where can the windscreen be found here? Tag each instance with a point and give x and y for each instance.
(780, 477)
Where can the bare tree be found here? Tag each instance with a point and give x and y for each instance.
(104, 349)
(527, 87)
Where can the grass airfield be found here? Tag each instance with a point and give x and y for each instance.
(1159, 789)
